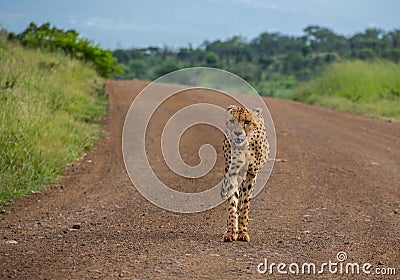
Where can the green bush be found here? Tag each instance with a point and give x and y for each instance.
(53, 39)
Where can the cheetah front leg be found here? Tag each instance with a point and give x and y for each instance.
(234, 175)
(230, 188)
(244, 205)
(232, 231)
(233, 208)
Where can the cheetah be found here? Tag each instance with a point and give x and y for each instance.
(246, 150)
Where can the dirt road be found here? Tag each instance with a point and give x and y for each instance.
(335, 187)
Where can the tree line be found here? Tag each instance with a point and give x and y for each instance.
(271, 61)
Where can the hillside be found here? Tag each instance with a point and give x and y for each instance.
(50, 107)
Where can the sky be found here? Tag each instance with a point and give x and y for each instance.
(178, 23)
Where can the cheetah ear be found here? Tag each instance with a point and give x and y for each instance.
(231, 108)
(257, 110)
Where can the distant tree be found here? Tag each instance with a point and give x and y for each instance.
(270, 44)
(231, 49)
(366, 54)
(245, 70)
(183, 54)
(322, 39)
(265, 62)
(152, 50)
(393, 55)
(165, 69)
(369, 44)
(372, 38)
(211, 59)
(138, 69)
(123, 56)
(394, 37)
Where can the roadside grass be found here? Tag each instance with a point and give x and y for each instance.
(367, 88)
(50, 108)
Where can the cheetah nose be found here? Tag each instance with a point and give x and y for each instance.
(238, 133)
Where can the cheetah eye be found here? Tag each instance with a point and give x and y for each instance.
(232, 121)
(246, 122)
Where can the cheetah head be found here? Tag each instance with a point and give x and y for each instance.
(240, 124)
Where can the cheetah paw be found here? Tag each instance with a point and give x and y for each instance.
(230, 236)
(243, 236)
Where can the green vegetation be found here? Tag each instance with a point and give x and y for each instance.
(368, 88)
(358, 73)
(53, 39)
(50, 107)
(272, 62)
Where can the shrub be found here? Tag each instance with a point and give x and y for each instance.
(53, 39)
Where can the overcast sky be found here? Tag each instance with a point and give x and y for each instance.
(178, 23)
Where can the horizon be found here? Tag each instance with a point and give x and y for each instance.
(177, 24)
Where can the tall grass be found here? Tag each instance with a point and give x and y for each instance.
(50, 107)
(368, 88)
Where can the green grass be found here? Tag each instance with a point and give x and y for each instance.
(367, 88)
(50, 108)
